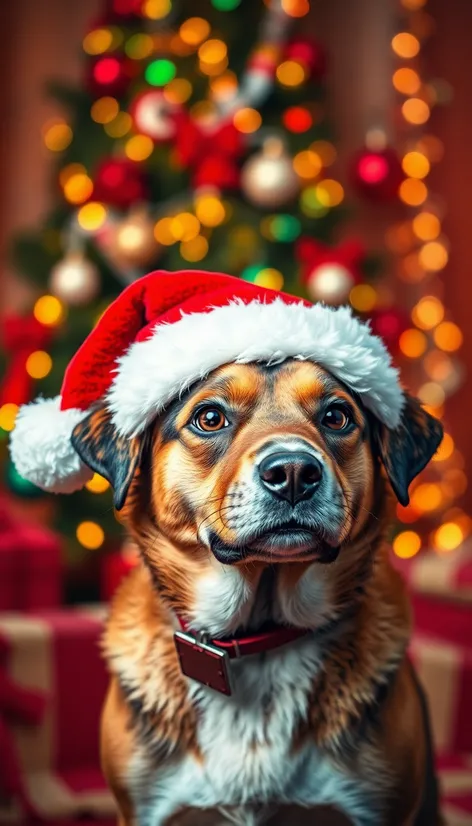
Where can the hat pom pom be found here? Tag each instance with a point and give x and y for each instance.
(41, 447)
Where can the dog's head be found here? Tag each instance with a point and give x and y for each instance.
(261, 463)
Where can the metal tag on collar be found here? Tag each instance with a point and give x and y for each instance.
(204, 662)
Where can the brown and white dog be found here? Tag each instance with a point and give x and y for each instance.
(259, 500)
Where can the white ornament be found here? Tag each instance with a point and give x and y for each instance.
(153, 116)
(330, 283)
(132, 242)
(75, 280)
(268, 179)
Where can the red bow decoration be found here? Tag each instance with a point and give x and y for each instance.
(18, 705)
(21, 336)
(313, 254)
(211, 153)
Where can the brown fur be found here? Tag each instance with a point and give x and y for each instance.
(364, 703)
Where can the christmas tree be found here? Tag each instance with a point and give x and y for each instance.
(199, 140)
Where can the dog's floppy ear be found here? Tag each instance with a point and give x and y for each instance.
(106, 452)
(406, 450)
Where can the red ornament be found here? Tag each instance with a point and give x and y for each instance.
(110, 75)
(120, 183)
(21, 336)
(310, 54)
(377, 174)
(297, 119)
(211, 153)
(330, 272)
(389, 325)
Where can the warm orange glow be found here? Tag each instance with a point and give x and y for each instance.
(139, 147)
(119, 126)
(194, 30)
(415, 165)
(399, 237)
(432, 394)
(445, 450)
(437, 365)
(406, 81)
(38, 364)
(448, 537)
(413, 5)
(212, 51)
(455, 480)
(363, 298)
(413, 343)
(225, 86)
(78, 188)
(448, 336)
(433, 256)
(90, 535)
(104, 110)
(48, 310)
(410, 269)
(412, 192)
(329, 193)
(426, 497)
(290, 73)
(97, 484)
(8, 414)
(406, 544)
(163, 232)
(247, 120)
(415, 111)
(194, 250)
(91, 216)
(325, 151)
(270, 278)
(406, 45)
(296, 8)
(185, 226)
(426, 226)
(428, 313)
(178, 90)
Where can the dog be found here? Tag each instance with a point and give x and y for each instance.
(260, 502)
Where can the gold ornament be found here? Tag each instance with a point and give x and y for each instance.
(268, 179)
(132, 242)
(75, 280)
(330, 283)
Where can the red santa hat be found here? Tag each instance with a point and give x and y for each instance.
(168, 330)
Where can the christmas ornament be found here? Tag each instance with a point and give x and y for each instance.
(120, 183)
(20, 336)
(210, 150)
(330, 273)
(75, 280)
(268, 179)
(154, 116)
(163, 333)
(131, 242)
(377, 174)
(310, 54)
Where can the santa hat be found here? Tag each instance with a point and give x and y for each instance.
(168, 330)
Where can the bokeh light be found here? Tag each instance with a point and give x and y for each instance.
(307, 164)
(270, 278)
(156, 9)
(91, 216)
(284, 227)
(194, 30)
(247, 120)
(426, 226)
(185, 226)
(119, 126)
(97, 484)
(297, 119)
(432, 394)
(57, 136)
(163, 232)
(290, 73)
(329, 193)
(415, 165)
(448, 537)
(210, 210)
(139, 147)
(326, 151)
(160, 72)
(406, 544)
(90, 535)
(226, 5)
(412, 343)
(428, 312)
(445, 450)
(406, 81)
(48, 310)
(38, 364)
(8, 414)
(178, 90)
(194, 250)
(426, 497)
(296, 8)
(405, 45)
(97, 41)
(448, 336)
(433, 256)
(412, 192)
(78, 188)
(104, 110)
(213, 51)
(139, 46)
(416, 111)
(224, 87)
(363, 298)
(106, 70)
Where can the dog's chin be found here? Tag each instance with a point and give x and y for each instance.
(277, 546)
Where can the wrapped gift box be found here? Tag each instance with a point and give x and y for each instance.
(57, 653)
(456, 784)
(447, 575)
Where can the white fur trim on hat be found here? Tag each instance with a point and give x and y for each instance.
(41, 448)
(154, 371)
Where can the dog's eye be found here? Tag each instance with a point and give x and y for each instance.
(337, 417)
(210, 419)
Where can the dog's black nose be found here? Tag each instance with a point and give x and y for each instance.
(291, 476)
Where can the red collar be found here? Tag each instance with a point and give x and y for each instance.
(236, 647)
(208, 660)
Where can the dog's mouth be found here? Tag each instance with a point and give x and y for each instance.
(289, 541)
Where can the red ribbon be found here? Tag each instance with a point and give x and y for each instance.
(18, 705)
(211, 154)
(21, 336)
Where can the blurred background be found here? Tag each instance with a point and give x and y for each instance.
(319, 147)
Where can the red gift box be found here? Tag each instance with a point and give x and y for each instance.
(57, 653)
(115, 567)
(446, 575)
(30, 566)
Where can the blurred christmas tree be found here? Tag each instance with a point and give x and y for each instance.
(197, 141)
